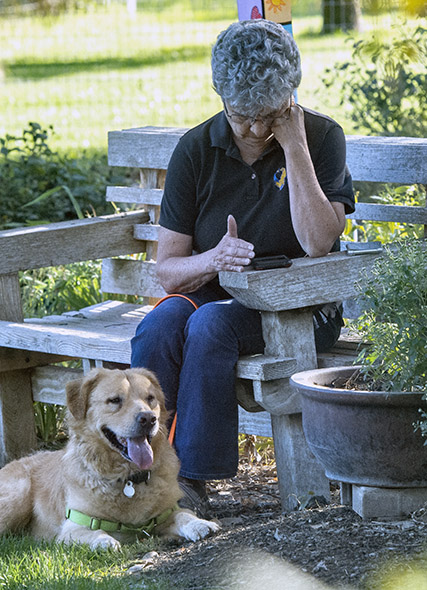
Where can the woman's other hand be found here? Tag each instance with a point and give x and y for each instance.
(231, 253)
(179, 271)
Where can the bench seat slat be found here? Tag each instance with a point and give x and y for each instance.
(104, 331)
(77, 339)
(100, 331)
(264, 368)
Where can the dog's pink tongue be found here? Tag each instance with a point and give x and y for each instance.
(141, 453)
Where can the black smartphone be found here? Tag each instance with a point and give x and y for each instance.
(354, 248)
(267, 262)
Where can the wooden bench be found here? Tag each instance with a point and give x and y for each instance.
(99, 335)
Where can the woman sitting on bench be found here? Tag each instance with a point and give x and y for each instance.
(264, 176)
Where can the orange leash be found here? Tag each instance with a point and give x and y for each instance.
(171, 436)
(172, 430)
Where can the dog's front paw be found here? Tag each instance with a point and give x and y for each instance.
(197, 529)
(192, 528)
(73, 533)
(104, 541)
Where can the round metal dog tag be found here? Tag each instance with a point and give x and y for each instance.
(129, 490)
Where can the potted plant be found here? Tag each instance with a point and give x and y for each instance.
(366, 423)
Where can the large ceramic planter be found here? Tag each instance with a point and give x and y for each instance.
(364, 438)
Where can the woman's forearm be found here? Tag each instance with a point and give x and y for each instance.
(185, 274)
(315, 221)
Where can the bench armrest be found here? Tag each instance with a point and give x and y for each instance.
(308, 282)
(70, 241)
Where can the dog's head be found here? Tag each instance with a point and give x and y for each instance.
(125, 409)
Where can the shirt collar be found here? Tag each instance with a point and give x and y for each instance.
(220, 131)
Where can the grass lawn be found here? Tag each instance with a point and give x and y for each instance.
(90, 72)
(25, 563)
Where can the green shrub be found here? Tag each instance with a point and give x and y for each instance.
(30, 169)
(383, 85)
(395, 320)
(55, 290)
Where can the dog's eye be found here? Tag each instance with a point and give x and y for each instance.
(150, 398)
(114, 400)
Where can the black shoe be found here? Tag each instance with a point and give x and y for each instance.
(195, 497)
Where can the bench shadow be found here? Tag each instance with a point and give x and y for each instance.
(38, 70)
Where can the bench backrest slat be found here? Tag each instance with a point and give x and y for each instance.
(136, 277)
(397, 213)
(131, 194)
(374, 159)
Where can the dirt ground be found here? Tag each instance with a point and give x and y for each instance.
(316, 548)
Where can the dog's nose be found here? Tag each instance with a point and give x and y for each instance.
(146, 419)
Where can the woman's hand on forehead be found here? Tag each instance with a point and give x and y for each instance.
(290, 130)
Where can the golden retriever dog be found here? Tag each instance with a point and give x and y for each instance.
(114, 481)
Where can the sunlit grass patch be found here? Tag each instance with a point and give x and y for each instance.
(39, 565)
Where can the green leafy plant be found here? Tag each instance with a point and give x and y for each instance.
(55, 290)
(50, 423)
(383, 86)
(38, 185)
(394, 322)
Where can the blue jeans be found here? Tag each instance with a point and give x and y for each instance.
(193, 354)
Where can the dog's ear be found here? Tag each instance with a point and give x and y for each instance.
(78, 392)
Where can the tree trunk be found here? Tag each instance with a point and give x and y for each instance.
(341, 15)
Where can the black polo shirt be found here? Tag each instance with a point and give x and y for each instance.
(207, 180)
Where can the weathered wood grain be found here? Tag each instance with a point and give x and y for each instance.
(69, 241)
(136, 277)
(132, 194)
(382, 159)
(146, 231)
(12, 359)
(145, 147)
(265, 368)
(258, 424)
(17, 425)
(395, 213)
(10, 297)
(308, 282)
(79, 339)
(49, 383)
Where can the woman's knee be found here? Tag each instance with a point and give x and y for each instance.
(209, 321)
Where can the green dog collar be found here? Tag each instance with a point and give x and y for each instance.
(111, 526)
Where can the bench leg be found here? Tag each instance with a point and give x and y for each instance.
(300, 475)
(17, 425)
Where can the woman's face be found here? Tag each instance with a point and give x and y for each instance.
(258, 127)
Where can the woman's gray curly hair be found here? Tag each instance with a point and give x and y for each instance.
(256, 65)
